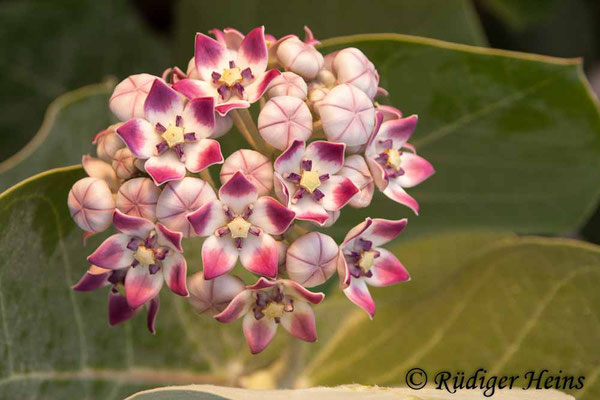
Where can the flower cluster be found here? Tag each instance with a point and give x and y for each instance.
(320, 142)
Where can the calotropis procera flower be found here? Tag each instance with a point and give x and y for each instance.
(138, 197)
(91, 204)
(392, 167)
(150, 252)
(353, 67)
(124, 164)
(240, 224)
(312, 259)
(267, 304)
(127, 100)
(284, 119)
(234, 81)
(347, 115)
(172, 136)
(355, 168)
(180, 198)
(307, 180)
(214, 295)
(299, 57)
(118, 308)
(255, 166)
(288, 84)
(364, 263)
(108, 143)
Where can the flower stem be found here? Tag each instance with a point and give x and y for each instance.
(205, 175)
(318, 132)
(243, 121)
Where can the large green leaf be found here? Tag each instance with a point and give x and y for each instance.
(476, 299)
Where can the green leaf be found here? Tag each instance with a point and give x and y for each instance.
(514, 138)
(452, 20)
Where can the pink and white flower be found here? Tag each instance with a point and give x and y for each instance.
(267, 304)
(255, 166)
(312, 259)
(288, 84)
(364, 262)
(351, 66)
(172, 136)
(107, 143)
(138, 197)
(91, 204)
(124, 164)
(214, 295)
(240, 224)
(355, 168)
(129, 96)
(284, 119)
(233, 80)
(180, 198)
(307, 180)
(392, 167)
(299, 57)
(149, 252)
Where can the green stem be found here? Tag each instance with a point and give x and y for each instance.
(244, 122)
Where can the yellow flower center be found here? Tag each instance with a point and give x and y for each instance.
(310, 180)
(239, 227)
(173, 135)
(367, 259)
(144, 256)
(393, 158)
(274, 310)
(231, 76)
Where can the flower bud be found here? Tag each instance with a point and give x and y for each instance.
(191, 72)
(312, 259)
(127, 100)
(212, 296)
(348, 115)
(255, 166)
(107, 143)
(288, 84)
(352, 66)
(96, 168)
(138, 197)
(355, 167)
(284, 119)
(91, 204)
(316, 94)
(123, 163)
(300, 58)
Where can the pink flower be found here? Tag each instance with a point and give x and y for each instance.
(150, 253)
(240, 224)
(138, 197)
(172, 136)
(127, 100)
(307, 180)
(355, 168)
(393, 168)
(299, 57)
(312, 259)
(351, 66)
(267, 304)
(284, 119)
(108, 143)
(255, 166)
(214, 295)
(364, 263)
(119, 309)
(91, 204)
(288, 84)
(233, 80)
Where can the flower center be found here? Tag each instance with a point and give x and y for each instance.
(310, 180)
(393, 158)
(367, 259)
(144, 256)
(274, 310)
(231, 76)
(174, 135)
(239, 227)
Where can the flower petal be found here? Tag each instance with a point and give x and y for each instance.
(271, 215)
(90, 281)
(289, 160)
(238, 306)
(193, 88)
(338, 191)
(377, 230)
(118, 308)
(140, 137)
(356, 169)
(416, 170)
(209, 56)
(255, 166)
(309, 210)
(395, 192)
(132, 226)
(141, 285)
(256, 89)
(252, 52)
(283, 189)
(168, 238)
(258, 332)
(300, 323)
(213, 296)
(97, 168)
(398, 130)
(312, 259)
(327, 157)
(238, 193)
(175, 271)
(199, 116)
(358, 293)
(151, 313)
(208, 218)
(163, 104)
(164, 168)
(389, 112)
(219, 256)
(259, 254)
(113, 253)
(387, 270)
(202, 154)
(299, 292)
(224, 108)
